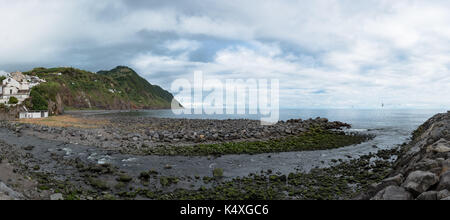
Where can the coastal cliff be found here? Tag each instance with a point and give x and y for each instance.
(118, 89)
(422, 170)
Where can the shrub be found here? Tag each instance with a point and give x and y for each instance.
(47, 90)
(13, 100)
(28, 103)
(39, 103)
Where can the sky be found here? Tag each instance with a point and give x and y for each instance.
(325, 53)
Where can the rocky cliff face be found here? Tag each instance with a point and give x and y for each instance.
(422, 171)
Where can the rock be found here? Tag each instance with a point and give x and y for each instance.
(448, 198)
(446, 165)
(392, 181)
(124, 178)
(444, 183)
(29, 148)
(442, 146)
(443, 194)
(426, 164)
(430, 195)
(420, 181)
(4, 197)
(57, 196)
(396, 180)
(393, 193)
(7, 193)
(144, 176)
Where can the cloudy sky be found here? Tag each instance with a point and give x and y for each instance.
(326, 53)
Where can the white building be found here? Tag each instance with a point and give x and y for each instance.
(17, 85)
(25, 113)
(36, 114)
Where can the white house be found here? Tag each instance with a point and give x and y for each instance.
(32, 114)
(17, 85)
(37, 114)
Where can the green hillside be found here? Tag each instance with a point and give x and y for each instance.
(120, 88)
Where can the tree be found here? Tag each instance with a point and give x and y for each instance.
(13, 100)
(39, 102)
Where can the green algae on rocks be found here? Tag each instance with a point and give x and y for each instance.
(343, 181)
(315, 139)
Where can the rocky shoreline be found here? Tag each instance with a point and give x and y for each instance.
(78, 163)
(139, 135)
(56, 171)
(422, 171)
(66, 169)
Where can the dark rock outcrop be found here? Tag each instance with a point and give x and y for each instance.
(425, 161)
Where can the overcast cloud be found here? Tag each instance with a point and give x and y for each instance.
(326, 53)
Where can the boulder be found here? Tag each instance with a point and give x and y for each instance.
(420, 181)
(430, 195)
(446, 165)
(442, 146)
(7, 193)
(393, 193)
(392, 181)
(57, 196)
(443, 194)
(444, 183)
(396, 180)
(426, 164)
(4, 196)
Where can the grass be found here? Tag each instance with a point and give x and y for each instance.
(66, 121)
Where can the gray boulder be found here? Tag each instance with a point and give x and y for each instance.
(444, 183)
(57, 196)
(443, 194)
(393, 193)
(392, 181)
(430, 195)
(396, 180)
(442, 146)
(7, 193)
(420, 181)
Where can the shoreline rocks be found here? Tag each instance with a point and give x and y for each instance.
(7, 193)
(425, 162)
(132, 134)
